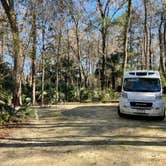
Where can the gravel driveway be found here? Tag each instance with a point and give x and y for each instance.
(85, 135)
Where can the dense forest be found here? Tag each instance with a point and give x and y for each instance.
(77, 50)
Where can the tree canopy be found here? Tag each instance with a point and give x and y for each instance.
(73, 50)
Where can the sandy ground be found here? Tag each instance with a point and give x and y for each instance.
(85, 135)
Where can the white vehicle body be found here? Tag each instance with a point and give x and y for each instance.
(142, 94)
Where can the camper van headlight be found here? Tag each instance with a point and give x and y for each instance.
(158, 97)
(124, 95)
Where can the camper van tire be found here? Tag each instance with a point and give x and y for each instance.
(119, 113)
(162, 117)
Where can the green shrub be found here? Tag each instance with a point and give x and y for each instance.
(109, 95)
(89, 95)
(96, 95)
(84, 94)
(73, 94)
(29, 112)
(57, 96)
(6, 117)
(53, 100)
(105, 97)
(5, 114)
(26, 112)
(1, 121)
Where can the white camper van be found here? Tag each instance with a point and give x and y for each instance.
(141, 94)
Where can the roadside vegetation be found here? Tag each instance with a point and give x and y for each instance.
(8, 115)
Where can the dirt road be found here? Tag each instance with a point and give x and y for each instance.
(85, 136)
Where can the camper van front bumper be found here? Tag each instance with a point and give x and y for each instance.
(143, 108)
(145, 112)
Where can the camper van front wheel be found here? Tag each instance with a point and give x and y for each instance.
(119, 113)
(162, 117)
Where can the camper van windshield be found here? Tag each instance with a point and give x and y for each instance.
(142, 85)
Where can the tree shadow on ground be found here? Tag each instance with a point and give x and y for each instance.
(93, 125)
(82, 143)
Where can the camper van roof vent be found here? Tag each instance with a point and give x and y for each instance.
(141, 73)
(132, 73)
(151, 73)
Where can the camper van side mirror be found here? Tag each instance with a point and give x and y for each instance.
(119, 88)
(164, 90)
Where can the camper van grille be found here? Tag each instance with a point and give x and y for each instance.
(141, 105)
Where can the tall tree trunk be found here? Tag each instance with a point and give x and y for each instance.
(68, 74)
(98, 54)
(58, 63)
(43, 79)
(17, 69)
(150, 49)
(142, 53)
(81, 68)
(78, 56)
(165, 47)
(113, 78)
(43, 64)
(2, 47)
(127, 26)
(34, 36)
(78, 52)
(103, 59)
(103, 36)
(22, 60)
(10, 12)
(146, 36)
(161, 45)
